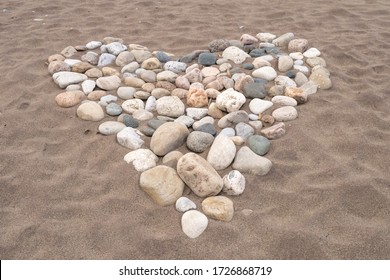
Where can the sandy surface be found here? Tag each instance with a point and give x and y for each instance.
(66, 193)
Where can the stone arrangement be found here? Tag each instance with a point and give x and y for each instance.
(225, 103)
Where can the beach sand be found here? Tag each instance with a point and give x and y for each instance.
(66, 192)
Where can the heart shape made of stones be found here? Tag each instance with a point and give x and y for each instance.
(226, 103)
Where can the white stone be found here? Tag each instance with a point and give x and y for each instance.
(110, 127)
(296, 55)
(285, 63)
(298, 62)
(309, 87)
(71, 62)
(106, 59)
(234, 183)
(259, 62)
(175, 66)
(222, 152)
(311, 53)
(284, 100)
(132, 105)
(64, 79)
(115, 48)
(228, 131)
(267, 73)
(90, 111)
(142, 159)
(268, 57)
(88, 86)
(93, 45)
(302, 68)
(142, 115)
(284, 81)
(258, 106)
(286, 113)
(170, 106)
(194, 223)
(151, 104)
(130, 68)
(167, 76)
(186, 120)
(197, 113)
(265, 36)
(235, 54)
(126, 92)
(129, 138)
(210, 71)
(230, 100)
(184, 204)
(107, 99)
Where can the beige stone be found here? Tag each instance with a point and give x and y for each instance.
(69, 98)
(219, 208)
(197, 98)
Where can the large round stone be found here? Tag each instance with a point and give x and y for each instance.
(168, 137)
(199, 175)
(162, 184)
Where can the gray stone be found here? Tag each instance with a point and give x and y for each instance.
(218, 45)
(207, 59)
(163, 57)
(244, 130)
(162, 184)
(115, 48)
(113, 109)
(208, 128)
(255, 90)
(199, 175)
(198, 141)
(110, 127)
(246, 161)
(259, 144)
(196, 113)
(222, 152)
(155, 123)
(233, 118)
(130, 121)
(168, 137)
(184, 204)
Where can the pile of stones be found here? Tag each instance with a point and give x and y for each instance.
(224, 104)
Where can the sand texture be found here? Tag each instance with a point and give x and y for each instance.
(66, 193)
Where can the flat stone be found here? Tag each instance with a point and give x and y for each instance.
(260, 62)
(141, 55)
(186, 120)
(130, 68)
(170, 106)
(208, 128)
(58, 66)
(90, 111)
(319, 77)
(142, 159)
(110, 127)
(69, 51)
(219, 208)
(222, 152)
(184, 204)
(64, 79)
(258, 106)
(309, 87)
(93, 45)
(160, 92)
(196, 113)
(312, 62)
(218, 45)
(257, 52)
(286, 113)
(267, 73)
(194, 223)
(168, 137)
(265, 36)
(233, 118)
(69, 98)
(274, 132)
(156, 123)
(198, 141)
(163, 57)
(142, 115)
(148, 76)
(244, 130)
(284, 81)
(134, 82)
(162, 184)
(283, 40)
(235, 54)
(255, 90)
(233, 183)
(284, 101)
(130, 121)
(199, 175)
(108, 83)
(246, 161)
(298, 45)
(94, 73)
(168, 76)
(129, 138)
